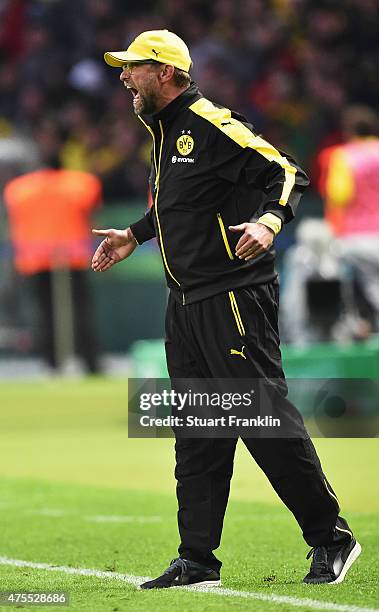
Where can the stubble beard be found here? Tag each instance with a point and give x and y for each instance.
(146, 104)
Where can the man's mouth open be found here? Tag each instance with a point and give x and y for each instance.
(135, 94)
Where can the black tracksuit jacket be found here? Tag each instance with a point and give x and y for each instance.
(211, 170)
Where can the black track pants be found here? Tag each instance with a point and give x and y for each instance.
(199, 339)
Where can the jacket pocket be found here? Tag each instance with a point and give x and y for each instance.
(259, 310)
(224, 236)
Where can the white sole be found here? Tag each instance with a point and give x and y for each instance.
(354, 554)
(215, 583)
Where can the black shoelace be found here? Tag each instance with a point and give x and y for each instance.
(177, 567)
(319, 563)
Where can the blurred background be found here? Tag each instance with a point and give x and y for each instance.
(303, 72)
(74, 488)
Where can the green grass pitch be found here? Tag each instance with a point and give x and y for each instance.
(76, 492)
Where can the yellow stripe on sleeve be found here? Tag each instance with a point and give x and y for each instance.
(237, 131)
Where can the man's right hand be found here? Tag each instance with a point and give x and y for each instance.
(117, 245)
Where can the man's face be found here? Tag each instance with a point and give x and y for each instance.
(142, 80)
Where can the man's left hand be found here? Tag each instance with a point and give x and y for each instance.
(256, 239)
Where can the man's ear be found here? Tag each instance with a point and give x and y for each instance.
(166, 73)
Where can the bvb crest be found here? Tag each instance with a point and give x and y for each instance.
(185, 144)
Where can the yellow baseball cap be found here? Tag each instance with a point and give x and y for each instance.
(159, 45)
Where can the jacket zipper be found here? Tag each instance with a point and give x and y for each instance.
(157, 177)
(224, 236)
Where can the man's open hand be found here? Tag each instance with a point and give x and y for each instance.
(117, 245)
(256, 239)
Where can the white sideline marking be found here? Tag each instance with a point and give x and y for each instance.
(130, 518)
(54, 512)
(137, 580)
(134, 580)
(95, 518)
(114, 518)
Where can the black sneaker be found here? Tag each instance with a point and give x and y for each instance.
(183, 572)
(331, 563)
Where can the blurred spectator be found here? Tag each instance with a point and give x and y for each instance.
(291, 66)
(350, 185)
(331, 288)
(49, 213)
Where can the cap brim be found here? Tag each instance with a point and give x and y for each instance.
(117, 59)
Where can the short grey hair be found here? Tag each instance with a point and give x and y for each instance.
(181, 78)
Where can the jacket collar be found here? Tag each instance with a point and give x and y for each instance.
(181, 102)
